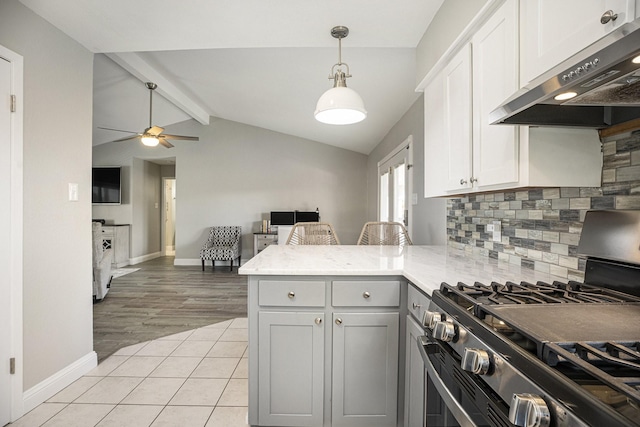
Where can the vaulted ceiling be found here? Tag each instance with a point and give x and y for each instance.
(260, 62)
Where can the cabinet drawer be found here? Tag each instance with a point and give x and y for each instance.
(417, 303)
(263, 244)
(270, 238)
(294, 293)
(366, 293)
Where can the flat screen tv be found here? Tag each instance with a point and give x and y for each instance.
(105, 185)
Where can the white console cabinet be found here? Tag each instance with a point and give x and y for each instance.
(116, 237)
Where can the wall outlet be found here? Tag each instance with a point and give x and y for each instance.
(497, 231)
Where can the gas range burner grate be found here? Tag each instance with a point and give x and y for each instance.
(609, 370)
(529, 293)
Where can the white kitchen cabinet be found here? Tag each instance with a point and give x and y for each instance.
(291, 366)
(552, 31)
(435, 149)
(482, 74)
(495, 78)
(457, 120)
(365, 369)
(496, 157)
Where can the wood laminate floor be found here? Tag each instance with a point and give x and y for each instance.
(161, 299)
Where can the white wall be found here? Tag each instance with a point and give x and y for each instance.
(429, 215)
(57, 151)
(236, 174)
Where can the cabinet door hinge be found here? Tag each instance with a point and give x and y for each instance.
(13, 103)
(12, 365)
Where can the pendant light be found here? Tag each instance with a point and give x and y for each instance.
(340, 105)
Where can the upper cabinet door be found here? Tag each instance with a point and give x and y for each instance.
(457, 120)
(553, 30)
(495, 78)
(435, 166)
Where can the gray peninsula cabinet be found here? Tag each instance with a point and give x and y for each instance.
(324, 351)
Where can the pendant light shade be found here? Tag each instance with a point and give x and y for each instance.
(340, 105)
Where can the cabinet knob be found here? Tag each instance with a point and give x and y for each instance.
(338, 321)
(472, 180)
(291, 294)
(318, 320)
(463, 181)
(608, 16)
(366, 295)
(416, 306)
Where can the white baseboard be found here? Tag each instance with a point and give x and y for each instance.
(143, 258)
(187, 261)
(56, 382)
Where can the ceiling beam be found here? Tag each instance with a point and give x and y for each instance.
(139, 68)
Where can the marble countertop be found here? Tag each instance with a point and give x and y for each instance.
(425, 266)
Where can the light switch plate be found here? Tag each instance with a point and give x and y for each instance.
(414, 199)
(73, 192)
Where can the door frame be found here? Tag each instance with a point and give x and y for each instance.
(407, 144)
(16, 230)
(163, 217)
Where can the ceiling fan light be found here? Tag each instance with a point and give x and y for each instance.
(150, 140)
(340, 106)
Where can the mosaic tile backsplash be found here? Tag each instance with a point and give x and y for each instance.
(540, 228)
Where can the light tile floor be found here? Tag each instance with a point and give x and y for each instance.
(196, 378)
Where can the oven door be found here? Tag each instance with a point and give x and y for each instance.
(455, 397)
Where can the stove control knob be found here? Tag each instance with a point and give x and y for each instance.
(444, 331)
(529, 410)
(430, 318)
(476, 361)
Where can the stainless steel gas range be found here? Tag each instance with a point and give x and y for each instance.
(542, 354)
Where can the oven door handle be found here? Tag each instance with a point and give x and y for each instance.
(452, 404)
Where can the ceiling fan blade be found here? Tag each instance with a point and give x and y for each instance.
(154, 130)
(165, 143)
(126, 138)
(182, 137)
(117, 130)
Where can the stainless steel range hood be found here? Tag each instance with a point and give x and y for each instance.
(603, 76)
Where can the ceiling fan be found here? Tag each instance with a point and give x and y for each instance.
(152, 136)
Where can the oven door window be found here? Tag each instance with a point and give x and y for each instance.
(455, 397)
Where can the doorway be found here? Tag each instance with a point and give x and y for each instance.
(395, 185)
(169, 216)
(11, 211)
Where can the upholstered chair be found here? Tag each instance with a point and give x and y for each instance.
(384, 233)
(102, 259)
(312, 233)
(224, 244)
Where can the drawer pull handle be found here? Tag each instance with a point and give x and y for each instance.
(338, 321)
(291, 294)
(416, 306)
(366, 295)
(318, 320)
